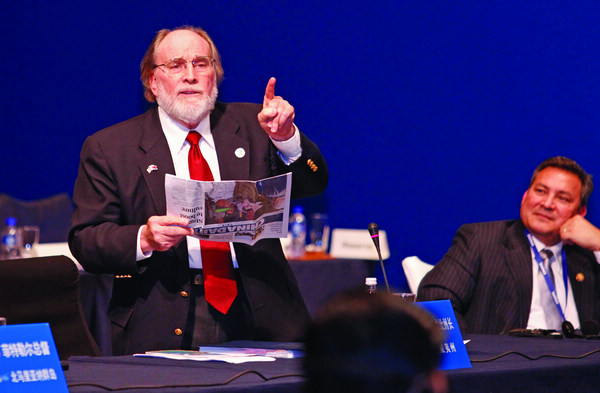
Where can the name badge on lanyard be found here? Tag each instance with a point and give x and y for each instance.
(549, 283)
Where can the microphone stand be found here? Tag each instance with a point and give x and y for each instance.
(383, 269)
(374, 231)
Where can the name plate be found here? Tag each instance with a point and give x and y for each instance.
(357, 244)
(454, 352)
(29, 361)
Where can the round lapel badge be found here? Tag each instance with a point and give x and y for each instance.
(579, 277)
(240, 152)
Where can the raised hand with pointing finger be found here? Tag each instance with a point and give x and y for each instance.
(277, 115)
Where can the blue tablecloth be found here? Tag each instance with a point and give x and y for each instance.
(560, 372)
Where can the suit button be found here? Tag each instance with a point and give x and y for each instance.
(178, 332)
(184, 294)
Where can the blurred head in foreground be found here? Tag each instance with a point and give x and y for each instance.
(363, 342)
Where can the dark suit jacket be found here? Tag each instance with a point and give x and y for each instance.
(487, 275)
(114, 195)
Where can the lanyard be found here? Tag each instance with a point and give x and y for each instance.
(547, 278)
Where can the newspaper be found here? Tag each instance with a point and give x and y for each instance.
(177, 354)
(242, 211)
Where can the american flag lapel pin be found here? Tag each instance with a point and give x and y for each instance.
(151, 168)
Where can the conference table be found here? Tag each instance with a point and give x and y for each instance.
(319, 277)
(499, 364)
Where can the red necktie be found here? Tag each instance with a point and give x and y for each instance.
(220, 287)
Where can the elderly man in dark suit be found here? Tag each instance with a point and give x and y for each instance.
(160, 294)
(536, 272)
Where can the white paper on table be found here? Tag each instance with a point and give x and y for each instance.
(205, 357)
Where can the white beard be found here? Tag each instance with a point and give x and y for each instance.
(189, 112)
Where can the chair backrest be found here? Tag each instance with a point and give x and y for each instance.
(46, 289)
(414, 270)
(51, 214)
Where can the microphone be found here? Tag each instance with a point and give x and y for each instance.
(590, 329)
(374, 232)
(569, 330)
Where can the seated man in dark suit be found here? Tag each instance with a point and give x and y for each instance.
(362, 342)
(536, 272)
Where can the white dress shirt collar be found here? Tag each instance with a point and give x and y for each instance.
(176, 132)
(556, 249)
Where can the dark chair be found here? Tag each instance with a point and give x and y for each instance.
(46, 289)
(51, 214)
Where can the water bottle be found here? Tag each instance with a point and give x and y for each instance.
(10, 248)
(371, 284)
(297, 231)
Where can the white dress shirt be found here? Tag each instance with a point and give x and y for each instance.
(543, 313)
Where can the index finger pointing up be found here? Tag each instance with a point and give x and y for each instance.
(269, 91)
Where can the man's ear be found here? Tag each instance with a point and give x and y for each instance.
(152, 82)
(434, 381)
(524, 196)
(582, 211)
(438, 381)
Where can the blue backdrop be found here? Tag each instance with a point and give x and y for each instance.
(430, 113)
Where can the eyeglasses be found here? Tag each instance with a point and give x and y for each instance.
(174, 67)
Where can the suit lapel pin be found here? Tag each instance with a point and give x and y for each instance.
(240, 152)
(580, 277)
(151, 168)
(312, 165)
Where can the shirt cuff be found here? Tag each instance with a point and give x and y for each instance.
(139, 255)
(597, 255)
(289, 150)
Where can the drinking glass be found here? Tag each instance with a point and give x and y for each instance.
(28, 237)
(319, 233)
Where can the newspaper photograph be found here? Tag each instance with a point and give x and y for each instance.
(242, 211)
